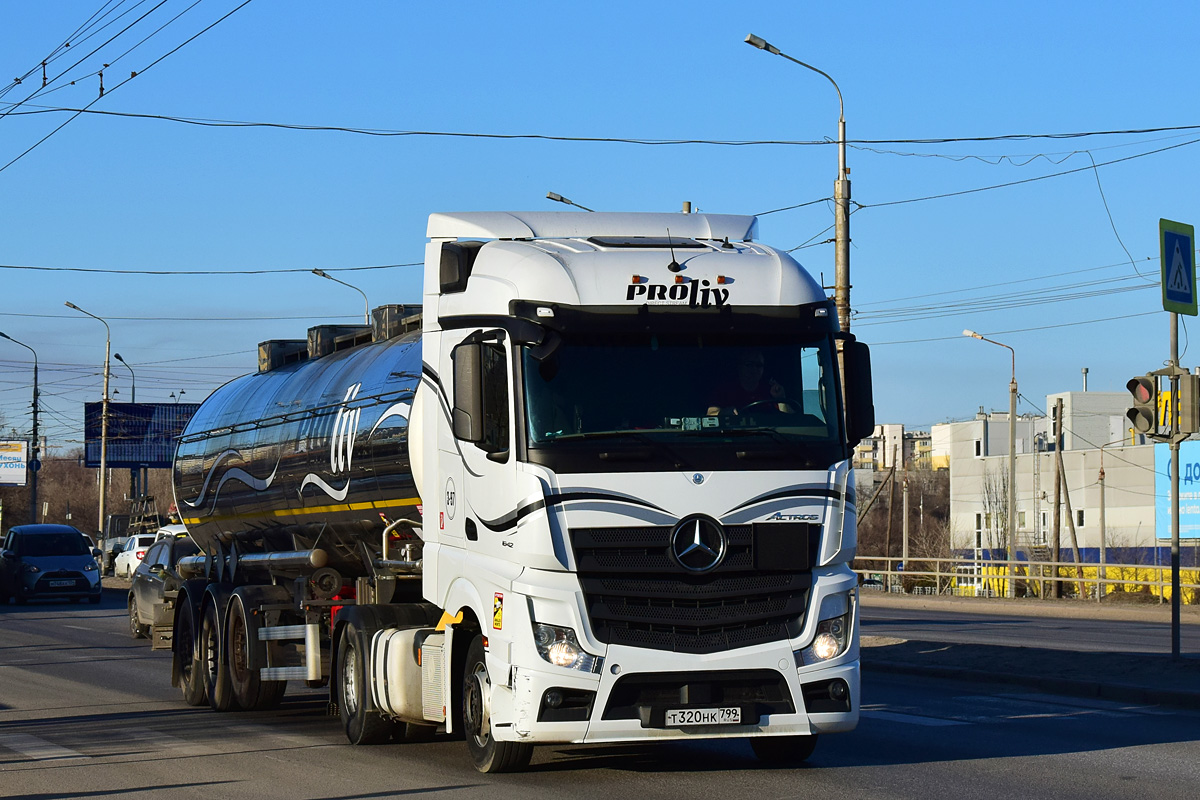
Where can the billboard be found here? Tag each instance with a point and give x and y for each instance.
(1189, 490)
(139, 434)
(13, 460)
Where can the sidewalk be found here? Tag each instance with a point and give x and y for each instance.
(1127, 677)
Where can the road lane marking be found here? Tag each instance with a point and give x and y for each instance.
(36, 748)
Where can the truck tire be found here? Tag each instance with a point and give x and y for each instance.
(362, 723)
(783, 749)
(136, 629)
(487, 754)
(213, 667)
(190, 679)
(249, 690)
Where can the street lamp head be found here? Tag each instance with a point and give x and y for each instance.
(117, 356)
(69, 304)
(761, 44)
(972, 334)
(555, 196)
(5, 336)
(320, 273)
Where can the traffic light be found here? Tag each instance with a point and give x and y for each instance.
(1144, 414)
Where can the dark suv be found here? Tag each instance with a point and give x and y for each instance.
(48, 561)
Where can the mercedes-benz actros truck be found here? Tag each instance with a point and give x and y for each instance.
(596, 487)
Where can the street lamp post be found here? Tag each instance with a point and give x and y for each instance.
(558, 198)
(134, 490)
(35, 449)
(1011, 550)
(841, 192)
(366, 304)
(103, 417)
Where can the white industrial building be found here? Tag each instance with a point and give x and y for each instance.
(1094, 428)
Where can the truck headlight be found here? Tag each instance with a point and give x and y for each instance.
(560, 647)
(833, 631)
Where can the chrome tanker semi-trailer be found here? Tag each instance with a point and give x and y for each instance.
(596, 488)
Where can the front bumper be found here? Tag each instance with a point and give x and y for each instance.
(58, 585)
(637, 686)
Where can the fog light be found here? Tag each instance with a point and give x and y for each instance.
(554, 698)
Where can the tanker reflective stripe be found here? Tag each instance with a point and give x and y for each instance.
(296, 512)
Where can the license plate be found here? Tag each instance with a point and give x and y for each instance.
(58, 584)
(703, 716)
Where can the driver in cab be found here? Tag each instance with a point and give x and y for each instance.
(751, 387)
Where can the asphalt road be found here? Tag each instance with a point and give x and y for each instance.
(87, 712)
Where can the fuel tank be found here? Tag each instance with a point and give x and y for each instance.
(311, 454)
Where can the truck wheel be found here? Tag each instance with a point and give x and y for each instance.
(190, 678)
(363, 724)
(213, 668)
(136, 629)
(249, 690)
(783, 749)
(487, 754)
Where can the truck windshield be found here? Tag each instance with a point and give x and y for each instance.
(681, 398)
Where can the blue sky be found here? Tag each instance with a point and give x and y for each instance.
(120, 193)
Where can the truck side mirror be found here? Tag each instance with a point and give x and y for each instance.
(468, 392)
(859, 400)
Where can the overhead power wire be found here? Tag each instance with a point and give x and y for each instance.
(132, 75)
(386, 132)
(283, 271)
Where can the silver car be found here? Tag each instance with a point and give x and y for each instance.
(41, 561)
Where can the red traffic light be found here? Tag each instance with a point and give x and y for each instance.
(1144, 414)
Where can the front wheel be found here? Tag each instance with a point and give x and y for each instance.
(487, 754)
(783, 749)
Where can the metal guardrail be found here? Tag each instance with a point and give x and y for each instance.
(969, 577)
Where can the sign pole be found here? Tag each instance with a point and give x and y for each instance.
(1175, 440)
(1177, 263)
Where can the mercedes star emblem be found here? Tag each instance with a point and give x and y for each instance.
(698, 544)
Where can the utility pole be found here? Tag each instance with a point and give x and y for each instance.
(904, 527)
(891, 510)
(1071, 526)
(1056, 535)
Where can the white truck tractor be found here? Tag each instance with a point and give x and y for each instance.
(596, 487)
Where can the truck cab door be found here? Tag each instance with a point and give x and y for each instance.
(482, 423)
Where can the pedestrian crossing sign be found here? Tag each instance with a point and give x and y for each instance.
(1177, 250)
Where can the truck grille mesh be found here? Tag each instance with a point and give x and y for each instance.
(637, 595)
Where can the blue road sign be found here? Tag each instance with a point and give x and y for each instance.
(1177, 250)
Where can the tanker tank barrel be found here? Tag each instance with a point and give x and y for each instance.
(193, 566)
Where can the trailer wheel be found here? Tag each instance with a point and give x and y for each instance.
(136, 629)
(783, 749)
(363, 724)
(249, 690)
(487, 754)
(213, 667)
(184, 643)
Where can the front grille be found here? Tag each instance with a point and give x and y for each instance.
(636, 594)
